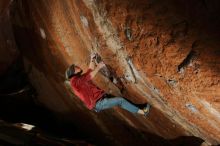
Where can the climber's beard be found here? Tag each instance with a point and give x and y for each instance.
(79, 73)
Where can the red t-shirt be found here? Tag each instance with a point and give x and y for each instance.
(88, 92)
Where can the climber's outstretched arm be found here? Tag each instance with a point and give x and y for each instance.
(97, 68)
(92, 63)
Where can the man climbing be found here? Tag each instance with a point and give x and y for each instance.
(92, 96)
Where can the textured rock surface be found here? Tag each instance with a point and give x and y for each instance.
(164, 52)
(8, 49)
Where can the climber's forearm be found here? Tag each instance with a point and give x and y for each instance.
(96, 70)
(92, 64)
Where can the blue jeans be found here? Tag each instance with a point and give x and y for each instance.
(106, 103)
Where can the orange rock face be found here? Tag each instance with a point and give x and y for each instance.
(163, 52)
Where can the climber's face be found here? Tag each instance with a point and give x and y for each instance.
(78, 70)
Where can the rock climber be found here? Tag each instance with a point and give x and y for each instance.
(92, 96)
